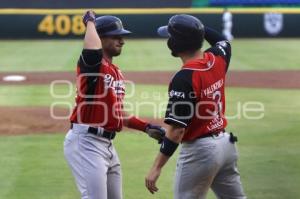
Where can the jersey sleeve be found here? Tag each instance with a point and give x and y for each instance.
(180, 109)
(90, 60)
(223, 49)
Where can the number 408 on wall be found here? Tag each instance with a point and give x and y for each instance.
(62, 25)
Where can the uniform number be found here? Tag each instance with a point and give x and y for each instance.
(62, 25)
(217, 97)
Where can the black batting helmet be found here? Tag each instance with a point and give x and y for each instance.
(185, 33)
(110, 25)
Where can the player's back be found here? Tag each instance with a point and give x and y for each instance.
(197, 93)
(208, 83)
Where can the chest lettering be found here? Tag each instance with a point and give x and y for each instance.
(110, 82)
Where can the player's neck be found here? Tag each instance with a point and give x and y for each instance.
(185, 57)
(107, 58)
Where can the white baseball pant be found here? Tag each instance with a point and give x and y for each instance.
(205, 163)
(94, 163)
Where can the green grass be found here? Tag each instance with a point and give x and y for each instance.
(33, 167)
(265, 54)
(144, 55)
(43, 55)
(139, 99)
(269, 150)
(268, 147)
(142, 100)
(37, 95)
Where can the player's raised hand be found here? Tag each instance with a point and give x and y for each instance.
(89, 15)
(156, 132)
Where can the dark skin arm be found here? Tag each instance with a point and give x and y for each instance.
(174, 133)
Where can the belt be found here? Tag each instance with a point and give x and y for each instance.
(211, 134)
(101, 133)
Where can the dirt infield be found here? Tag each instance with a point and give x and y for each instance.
(25, 120)
(254, 79)
(30, 120)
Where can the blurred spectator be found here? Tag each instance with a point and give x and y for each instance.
(227, 24)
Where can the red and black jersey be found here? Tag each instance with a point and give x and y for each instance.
(197, 95)
(100, 94)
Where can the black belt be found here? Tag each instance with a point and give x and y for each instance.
(211, 134)
(106, 134)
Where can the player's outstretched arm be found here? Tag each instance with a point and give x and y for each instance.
(169, 145)
(154, 131)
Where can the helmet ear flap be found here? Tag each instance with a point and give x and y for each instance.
(172, 46)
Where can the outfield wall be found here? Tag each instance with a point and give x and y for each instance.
(66, 23)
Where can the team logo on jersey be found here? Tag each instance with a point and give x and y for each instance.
(177, 94)
(108, 80)
(117, 85)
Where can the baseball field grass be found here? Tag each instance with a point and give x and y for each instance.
(33, 166)
(149, 54)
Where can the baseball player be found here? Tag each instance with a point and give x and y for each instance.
(98, 113)
(227, 25)
(195, 115)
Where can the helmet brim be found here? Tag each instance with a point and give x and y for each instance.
(117, 32)
(163, 31)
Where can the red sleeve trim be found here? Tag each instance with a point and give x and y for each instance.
(136, 123)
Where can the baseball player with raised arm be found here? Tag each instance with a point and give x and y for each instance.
(98, 113)
(195, 115)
